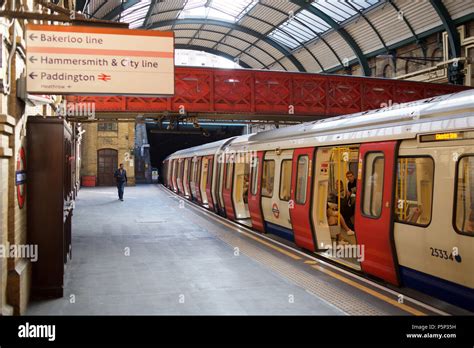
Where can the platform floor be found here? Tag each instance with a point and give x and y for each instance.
(154, 254)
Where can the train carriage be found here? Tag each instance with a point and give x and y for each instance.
(409, 207)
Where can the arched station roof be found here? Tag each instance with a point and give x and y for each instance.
(292, 35)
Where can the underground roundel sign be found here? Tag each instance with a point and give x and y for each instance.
(20, 177)
(275, 210)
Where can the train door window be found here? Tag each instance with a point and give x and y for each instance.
(302, 179)
(186, 176)
(175, 169)
(220, 178)
(229, 175)
(180, 171)
(210, 170)
(254, 176)
(373, 184)
(414, 190)
(193, 176)
(205, 168)
(268, 178)
(197, 164)
(464, 201)
(285, 180)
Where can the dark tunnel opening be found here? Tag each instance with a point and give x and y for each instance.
(164, 142)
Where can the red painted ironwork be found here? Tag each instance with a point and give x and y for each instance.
(250, 92)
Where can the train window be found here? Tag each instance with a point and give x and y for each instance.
(302, 179)
(285, 179)
(229, 175)
(191, 172)
(197, 172)
(414, 190)
(205, 169)
(373, 184)
(195, 169)
(210, 170)
(254, 175)
(464, 203)
(268, 178)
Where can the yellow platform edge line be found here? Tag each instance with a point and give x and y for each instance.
(374, 293)
(283, 251)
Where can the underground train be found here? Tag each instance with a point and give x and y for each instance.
(398, 181)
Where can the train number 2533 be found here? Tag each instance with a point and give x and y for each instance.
(443, 254)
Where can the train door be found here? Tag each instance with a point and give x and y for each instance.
(187, 191)
(215, 183)
(164, 169)
(240, 189)
(170, 174)
(227, 186)
(434, 217)
(209, 181)
(276, 192)
(220, 185)
(174, 175)
(192, 178)
(254, 197)
(334, 203)
(203, 180)
(301, 188)
(179, 180)
(374, 216)
(197, 180)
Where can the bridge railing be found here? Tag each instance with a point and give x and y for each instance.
(206, 90)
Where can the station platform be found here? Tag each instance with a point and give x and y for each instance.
(157, 254)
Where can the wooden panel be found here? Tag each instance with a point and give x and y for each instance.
(107, 163)
(50, 193)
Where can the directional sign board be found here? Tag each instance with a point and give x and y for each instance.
(83, 60)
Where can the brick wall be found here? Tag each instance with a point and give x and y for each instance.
(122, 140)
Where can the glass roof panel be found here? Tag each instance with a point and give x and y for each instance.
(284, 39)
(135, 14)
(230, 11)
(340, 10)
(304, 26)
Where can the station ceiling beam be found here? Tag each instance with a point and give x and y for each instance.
(211, 51)
(449, 26)
(119, 9)
(362, 59)
(215, 48)
(232, 26)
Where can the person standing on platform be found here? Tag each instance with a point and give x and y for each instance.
(121, 177)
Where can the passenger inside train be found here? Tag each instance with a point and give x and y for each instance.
(240, 191)
(335, 219)
(246, 189)
(342, 163)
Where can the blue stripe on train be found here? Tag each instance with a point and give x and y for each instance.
(445, 290)
(279, 231)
